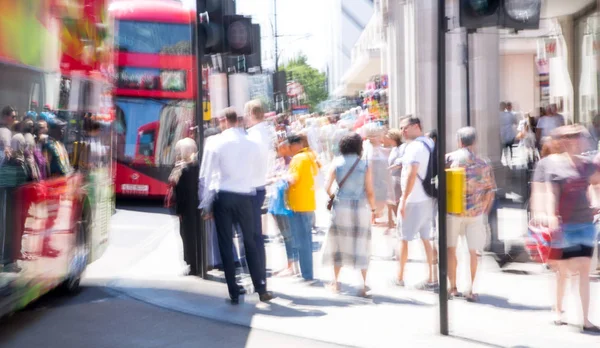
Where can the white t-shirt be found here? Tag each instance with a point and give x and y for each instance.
(549, 123)
(416, 152)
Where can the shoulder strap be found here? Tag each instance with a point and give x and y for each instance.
(430, 154)
(348, 174)
(425, 144)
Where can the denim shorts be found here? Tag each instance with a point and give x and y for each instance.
(575, 240)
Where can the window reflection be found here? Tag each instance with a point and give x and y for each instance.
(156, 38)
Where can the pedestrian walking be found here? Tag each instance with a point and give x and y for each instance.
(548, 122)
(377, 157)
(432, 134)
(472, 222)
(348, 241)
(264, 136)
(395, 190)
(302, 202)
(508, 132)
(184, 183)
(567, 211)
(230, 161)
(415, 212)
(278, 207)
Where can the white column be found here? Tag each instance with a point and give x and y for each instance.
(485, 91)
(426, 57)
(395, 60)
(456, 86)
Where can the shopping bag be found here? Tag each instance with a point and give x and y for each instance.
(278, 204)
(539, 241)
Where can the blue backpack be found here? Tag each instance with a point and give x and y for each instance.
(278, 204)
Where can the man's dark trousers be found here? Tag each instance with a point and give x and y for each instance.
(233, 208)
(257, 202)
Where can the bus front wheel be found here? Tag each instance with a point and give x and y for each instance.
(80, 254)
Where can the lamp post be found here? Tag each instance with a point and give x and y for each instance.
(198, 34)
(442, 208)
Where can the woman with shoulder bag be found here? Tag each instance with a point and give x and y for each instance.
(349, 239)
(184, 196)
(568, 214)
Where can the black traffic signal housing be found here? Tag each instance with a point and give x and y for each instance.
(511, 14)
(238, 35)
(475, 14)
(254, 59)
(212, 17)
(521, 14)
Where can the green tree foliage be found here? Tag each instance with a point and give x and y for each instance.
(313, 81)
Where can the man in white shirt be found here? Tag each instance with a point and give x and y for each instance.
(264, 136)
(415, 212)
(508, 131)
(549, 122)
(230, 161)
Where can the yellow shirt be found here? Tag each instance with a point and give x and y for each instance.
(301, 194)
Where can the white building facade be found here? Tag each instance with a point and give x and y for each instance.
(348, 19)
(558, 63)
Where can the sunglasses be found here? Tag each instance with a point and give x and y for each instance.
(405, 127)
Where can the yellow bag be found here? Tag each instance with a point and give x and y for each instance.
(456, 190)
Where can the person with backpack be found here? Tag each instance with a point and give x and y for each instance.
(415, 211)
(479, 199)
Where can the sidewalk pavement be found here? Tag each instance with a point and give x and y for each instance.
(514, 310)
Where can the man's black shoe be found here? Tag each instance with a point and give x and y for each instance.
(266, 296)
(235, 301)
(502, 260)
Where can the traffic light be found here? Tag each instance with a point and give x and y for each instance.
(255, 58)
(224, 32)
(512, 14)
(238, 34)
(213, 14)
(522, 14)
(475, 14)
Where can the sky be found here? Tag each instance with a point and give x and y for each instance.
(302, 27)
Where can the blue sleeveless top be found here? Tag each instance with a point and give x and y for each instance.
(354, 187)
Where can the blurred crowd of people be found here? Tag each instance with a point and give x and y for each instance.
(251, 165)
(32, 150)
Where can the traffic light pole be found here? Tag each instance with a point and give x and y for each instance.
(201, 242)
(467, 57)
(442, 209)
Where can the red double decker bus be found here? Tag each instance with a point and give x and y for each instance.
(55, 212)
(154, 91)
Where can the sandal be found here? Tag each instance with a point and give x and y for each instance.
(453, 293)
(334, 287)
(473, 298)
(558, 318)
(363, 293)
(591, 329)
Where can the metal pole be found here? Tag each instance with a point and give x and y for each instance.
(201, 245)
(275, 35)
(468, 70)
(442, 209)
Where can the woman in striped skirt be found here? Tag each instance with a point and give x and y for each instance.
(348, 242)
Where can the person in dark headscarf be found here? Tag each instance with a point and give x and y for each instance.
(54, 150)
(184, 179)
(5, 136)
(21, 156)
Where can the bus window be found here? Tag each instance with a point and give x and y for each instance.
(156, 38)
(168, 120)
(147, 143)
